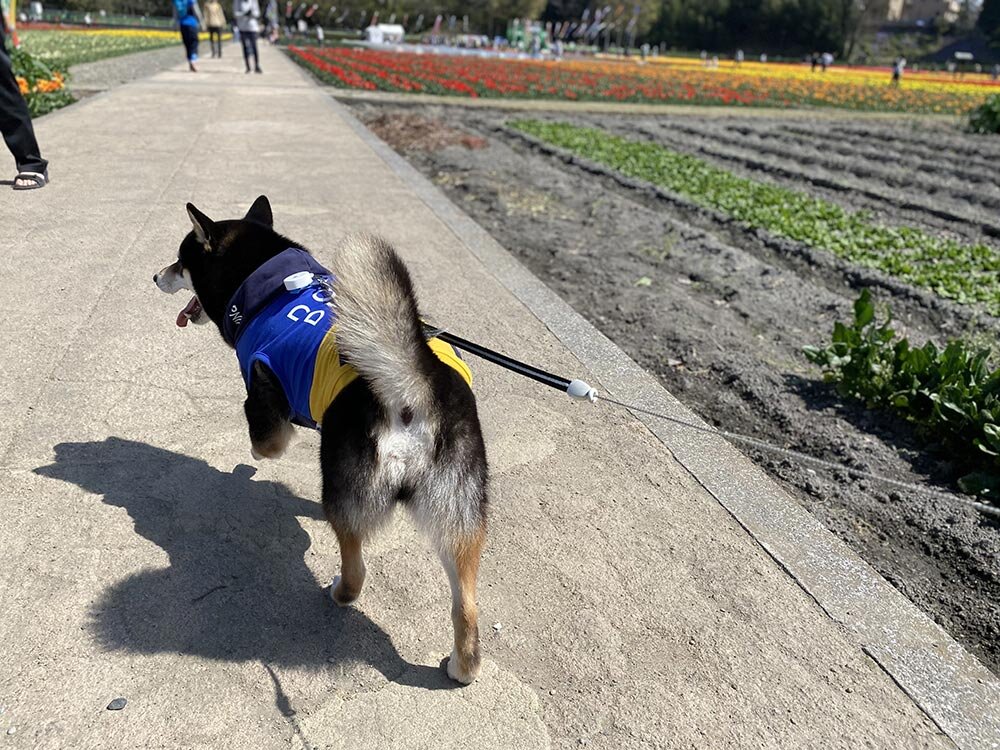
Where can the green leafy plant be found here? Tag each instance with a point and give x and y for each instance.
(951, 393)
(45, 87)
(986, 117)
(962, 272)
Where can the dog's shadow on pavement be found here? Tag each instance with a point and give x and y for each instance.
(237, 587)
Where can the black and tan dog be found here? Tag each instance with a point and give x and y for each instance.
(345, 350)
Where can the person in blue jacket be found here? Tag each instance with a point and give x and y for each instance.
(187, 15)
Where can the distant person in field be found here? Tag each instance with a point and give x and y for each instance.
(738, 58)
(825, 61)
(247, 15)
(763, 57)
(897, 70)
(814, 60)
(187, 16)
(15, 124)
(215, 19)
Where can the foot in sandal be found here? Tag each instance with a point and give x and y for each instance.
(31, 180)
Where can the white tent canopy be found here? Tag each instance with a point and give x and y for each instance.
(384, 33)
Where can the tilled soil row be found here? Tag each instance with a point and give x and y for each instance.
(891, 150)
(937, 313)
(897, 196)
(720, 314)
(936, 138)
(917, 180)
(894, 166)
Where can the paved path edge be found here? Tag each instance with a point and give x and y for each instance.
(954, 689)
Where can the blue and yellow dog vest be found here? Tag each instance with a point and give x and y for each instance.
(293, 332)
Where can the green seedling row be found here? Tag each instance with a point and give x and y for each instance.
(966, 273)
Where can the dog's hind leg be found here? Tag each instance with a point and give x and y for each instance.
(461, 561)
(346, 587)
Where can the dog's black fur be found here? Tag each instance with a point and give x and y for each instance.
(442, 474)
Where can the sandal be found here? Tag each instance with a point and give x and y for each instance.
(41, 179)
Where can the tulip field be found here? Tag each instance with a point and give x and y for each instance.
(61, 48)
(661, 80)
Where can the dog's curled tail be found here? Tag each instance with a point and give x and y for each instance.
(379, 331)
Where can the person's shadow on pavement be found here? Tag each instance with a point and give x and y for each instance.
(237, 587)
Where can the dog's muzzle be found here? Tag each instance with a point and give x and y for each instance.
(173, 279)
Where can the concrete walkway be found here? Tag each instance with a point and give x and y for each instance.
(144, 555)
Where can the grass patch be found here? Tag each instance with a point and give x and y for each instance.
(966, 273)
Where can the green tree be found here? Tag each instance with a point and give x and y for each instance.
(989, 20)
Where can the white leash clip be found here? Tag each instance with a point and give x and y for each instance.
(579, 390)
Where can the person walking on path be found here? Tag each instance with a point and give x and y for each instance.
(247, 15)
(271, 21)
(15, 124)
(215, 19)
(187, 15)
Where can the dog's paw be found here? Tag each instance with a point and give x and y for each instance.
(465, 674)
(339, 594)
(269, 449)
(275, 444)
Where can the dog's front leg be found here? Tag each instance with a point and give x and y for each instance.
(266, 409)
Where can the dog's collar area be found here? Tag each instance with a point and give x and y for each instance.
(262, 286)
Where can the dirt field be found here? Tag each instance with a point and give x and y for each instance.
(721, 314)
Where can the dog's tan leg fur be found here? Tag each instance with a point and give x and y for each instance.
(463, 570)
(352, 568)
(275, 444)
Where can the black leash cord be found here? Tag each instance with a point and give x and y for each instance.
(580, 390)
(541, 376)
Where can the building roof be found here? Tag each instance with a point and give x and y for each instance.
(976, 45)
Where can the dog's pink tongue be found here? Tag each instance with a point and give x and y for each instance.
(184, 315)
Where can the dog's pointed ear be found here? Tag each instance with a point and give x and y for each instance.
(204, 227)
(260, 212)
